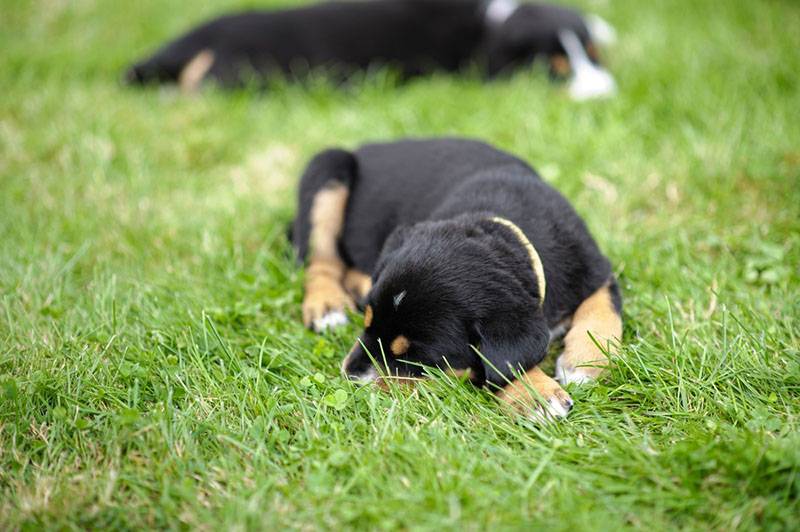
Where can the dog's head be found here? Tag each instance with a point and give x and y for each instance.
(532, 32)
(440, 291)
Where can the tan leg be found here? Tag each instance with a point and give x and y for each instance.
(195, 70)
(583, 360)
(537, 395)
(325, 300)
(357, 284)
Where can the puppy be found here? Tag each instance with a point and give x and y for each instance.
(412, 37)
(462, 259)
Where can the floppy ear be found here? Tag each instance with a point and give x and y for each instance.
(510, 346)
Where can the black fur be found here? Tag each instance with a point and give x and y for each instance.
(419, 220)
(413, 37)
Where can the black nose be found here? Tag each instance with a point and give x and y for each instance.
(357, 367)
(348, 360)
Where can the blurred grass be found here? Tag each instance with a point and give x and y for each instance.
(153, 370)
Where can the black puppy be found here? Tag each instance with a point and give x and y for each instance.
(413, 37)
(454, 248)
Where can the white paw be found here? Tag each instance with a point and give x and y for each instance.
(330, 320)
(566, 375)
(591, 82)
(554, 408)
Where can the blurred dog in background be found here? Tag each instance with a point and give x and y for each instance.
(412, 37)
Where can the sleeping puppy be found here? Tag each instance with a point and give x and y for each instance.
(412, 37)
(463, 259)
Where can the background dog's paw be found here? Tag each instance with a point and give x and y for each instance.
(326, 311)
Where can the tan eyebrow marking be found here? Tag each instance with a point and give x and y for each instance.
(399, 345)
(368, 316)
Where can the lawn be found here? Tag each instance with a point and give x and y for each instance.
(153, 368)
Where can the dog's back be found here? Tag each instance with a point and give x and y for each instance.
(414, 36)
(411, 37)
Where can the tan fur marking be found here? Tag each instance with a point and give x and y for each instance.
(519, 394)
(399, 345)
(195, 70)
(323, 288)
(592, 52)
(323, 293)
(367, 316)
(357, 283)
(327, 220)
(596, 315)
(560, 64)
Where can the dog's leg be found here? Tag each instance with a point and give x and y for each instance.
(357, 284)
(596, 326)
(521, 393)
(324, 191)
(325, 299)
(195, 71)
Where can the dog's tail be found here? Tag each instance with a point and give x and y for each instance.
(185, 61)
(589, 80)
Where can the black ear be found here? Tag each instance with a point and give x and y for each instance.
(510, 345)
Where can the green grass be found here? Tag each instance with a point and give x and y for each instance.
(153, 368)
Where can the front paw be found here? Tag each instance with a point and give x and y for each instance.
(326, 309)
(543, 403)
(557, 406)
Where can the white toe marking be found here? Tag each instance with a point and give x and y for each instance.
(557, 409)
(553, 409)
(571, 375)
(577, 376)
(330, 320)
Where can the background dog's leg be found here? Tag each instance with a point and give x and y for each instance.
(552, 400)
(195, 71)
(324, 191)
(583, 359)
